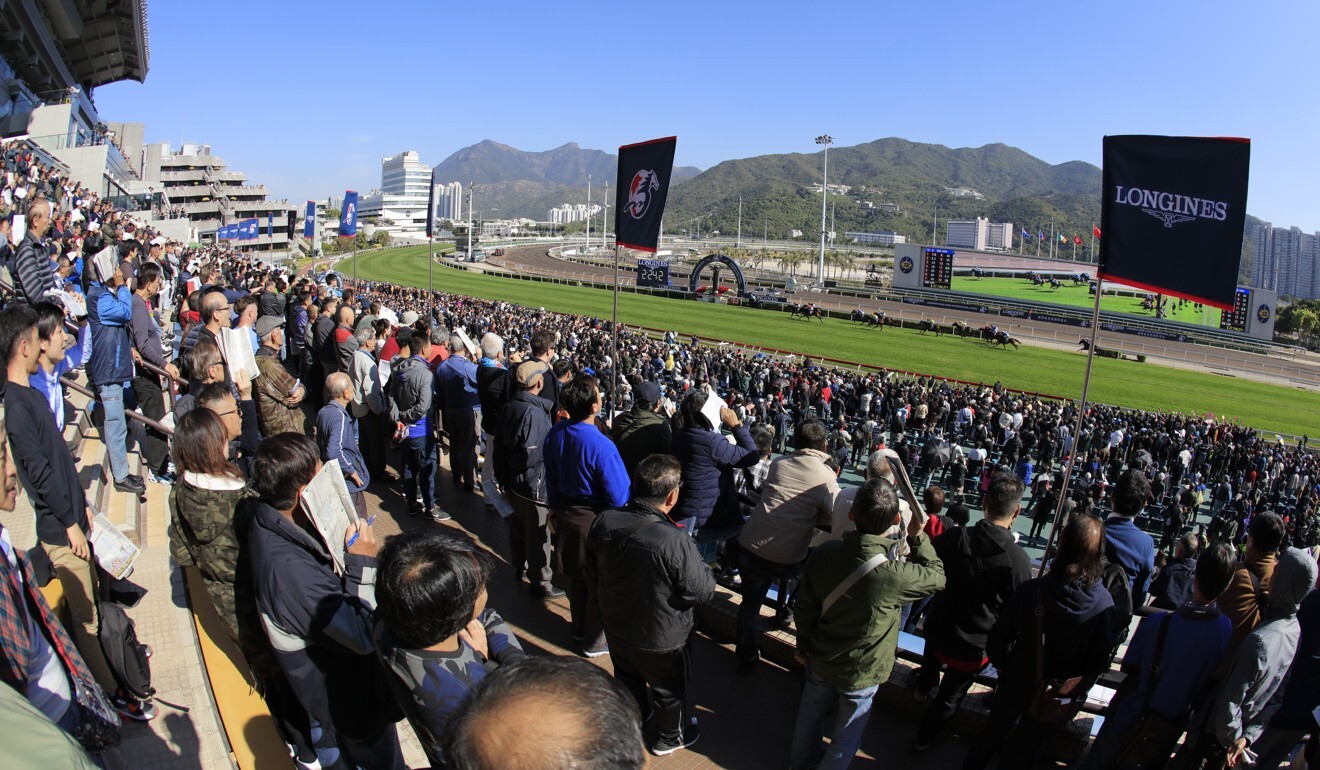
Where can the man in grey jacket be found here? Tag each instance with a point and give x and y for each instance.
(1239, 713)
(410, 409)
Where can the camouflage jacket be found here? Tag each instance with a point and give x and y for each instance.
(272, 391)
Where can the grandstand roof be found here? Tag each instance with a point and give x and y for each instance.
(55, 44)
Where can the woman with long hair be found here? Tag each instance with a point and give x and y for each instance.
(708, 495)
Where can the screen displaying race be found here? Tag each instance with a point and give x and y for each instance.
(1070, 284)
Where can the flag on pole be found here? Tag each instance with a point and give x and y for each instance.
(309, 220)
(270, 225)
(1173, 210)
(1095, 231)
(1063, 238)
(1077, 239)
(1026, 236)
(643, 188)
(430, 209)
(348, 216)
(1040, 235)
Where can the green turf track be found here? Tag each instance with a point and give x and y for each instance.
(1078, 296)
(1144, 386)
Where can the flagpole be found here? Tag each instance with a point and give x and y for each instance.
(1092, 243)
(614, 366)
(430, 279)
(1051, 239)
(1077, 429)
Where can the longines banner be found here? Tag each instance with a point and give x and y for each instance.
(1172, 212)
(643, 188)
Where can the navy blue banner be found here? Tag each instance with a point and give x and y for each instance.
(270, 225)
(348, 216)
(309, 220)
(643, 188)
(1173, 213)
(247, 229)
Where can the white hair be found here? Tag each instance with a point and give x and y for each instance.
(492, 345)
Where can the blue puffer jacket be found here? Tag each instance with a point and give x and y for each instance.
(709, 461)
(109, 314)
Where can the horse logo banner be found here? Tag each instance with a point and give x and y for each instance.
(1173, 213)
(643, 188)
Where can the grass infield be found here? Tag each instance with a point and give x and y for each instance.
(1077, 296)
(1127, 383)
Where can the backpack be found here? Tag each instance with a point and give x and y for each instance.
(125, 655)
(1119, 586)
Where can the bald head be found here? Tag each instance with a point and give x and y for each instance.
(544, 713)
(212, 304)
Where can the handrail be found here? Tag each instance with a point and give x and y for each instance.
(150, 423)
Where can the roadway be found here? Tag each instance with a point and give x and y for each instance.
(1279, 368)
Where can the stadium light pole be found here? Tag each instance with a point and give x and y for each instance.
(826, 140)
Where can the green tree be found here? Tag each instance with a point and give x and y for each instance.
(380, 238)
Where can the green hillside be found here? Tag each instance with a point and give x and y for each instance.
(1145, 386)
(1018, 188)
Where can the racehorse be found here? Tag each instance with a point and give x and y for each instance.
(1003, 340)
(878, 320)
(858, 316)
(1055, 283)
(927, 325)
(978, 273)
(988, 332)
(807, 312)
(961, 328)
(1036, 279)
(1083, 345)
(1078, 279)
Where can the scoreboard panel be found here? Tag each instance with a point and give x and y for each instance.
(653, 273)
(937, 268)
(1235, 320)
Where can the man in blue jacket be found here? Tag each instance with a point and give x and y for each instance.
(584, 475)
(337, 438)
(1125, 544)
(110, 310)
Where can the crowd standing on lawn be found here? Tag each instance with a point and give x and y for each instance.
(631, 483)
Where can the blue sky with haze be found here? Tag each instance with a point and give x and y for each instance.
(308, 97)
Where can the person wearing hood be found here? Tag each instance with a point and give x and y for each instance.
(1259, 667)
(1295, 716)
(1079, 620)
(983, 566)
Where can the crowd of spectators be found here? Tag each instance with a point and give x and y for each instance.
(632, 480)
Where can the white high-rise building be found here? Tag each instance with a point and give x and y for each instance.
(979, 234)
(399, 206)
(404, 174)
(449, 201)
(570, 212)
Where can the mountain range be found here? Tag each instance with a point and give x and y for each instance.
(892, 185)
(515, 183)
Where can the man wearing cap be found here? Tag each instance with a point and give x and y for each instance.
(520, 468)
(641, 431)
(278, 395)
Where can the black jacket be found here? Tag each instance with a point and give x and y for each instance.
(982, 567)
(1081, 625)
(44, 464)
(320, 624)
(648, 577)
(31, 270)
(519, 463)
(495, 387)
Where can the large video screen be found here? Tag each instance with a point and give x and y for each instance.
(939, 269)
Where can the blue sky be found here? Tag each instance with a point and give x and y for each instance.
(308, 97)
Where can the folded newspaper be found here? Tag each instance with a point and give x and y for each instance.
(114, 551)
(331, 509)
(104, 263)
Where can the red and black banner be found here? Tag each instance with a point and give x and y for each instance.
(639, 204)
(1173, 213)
